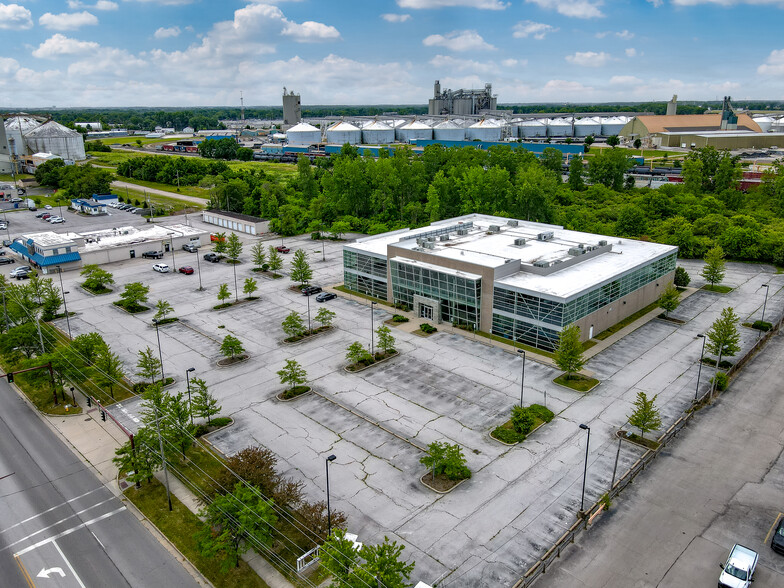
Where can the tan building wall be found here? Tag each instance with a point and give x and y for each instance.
(123, 252)
(751, 141)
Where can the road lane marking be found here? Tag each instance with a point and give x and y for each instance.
(28, 519)
(68, 563)
(27, 577)
(69, 531)
(771, 528)
(57, 523)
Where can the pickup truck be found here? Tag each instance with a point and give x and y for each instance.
(739, 568)
(153, 254)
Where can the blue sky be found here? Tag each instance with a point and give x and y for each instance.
(204, 52)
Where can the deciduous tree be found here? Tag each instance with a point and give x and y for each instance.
(713, 271)
(205, 405)
(646, 416)
(292, 374)
(231, 347)
(569, 353)
(300, 268)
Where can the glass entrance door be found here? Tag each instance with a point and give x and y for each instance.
(426, 312)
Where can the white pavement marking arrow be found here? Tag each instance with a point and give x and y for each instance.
(45, 573)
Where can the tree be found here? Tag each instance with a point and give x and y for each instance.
(149, 365)
(220, 244)
(249, 287)
(275, 260)
(682, 277)
(552, 159)
(669, 300)
(234, 522)
(339, 228)
(325, 316)
(223, 293)
(637, 143)
(300, 268)
(522, 420)
(386, 342)
(109, 368)
(356, 352)
(613, 141)
(569, 353)
(51, 301)
(142, 461)
(713, 271)
(443, 458)
(293, 325)
(372, 565)
(576, 173)
(233, 247)
(133, 295)
(723, 336)
(646, 416)
(96, 279)
(205, 405)
(231, 347)
(258, 255)
(162, 309)
(177, 411)
(609, 168)
(339, 557)
(292, 374)
(88, 346)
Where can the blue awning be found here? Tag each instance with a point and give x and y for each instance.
(45, 261)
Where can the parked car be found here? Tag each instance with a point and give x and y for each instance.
(16, 199)
(40, 215)
(185, 269)
(48, 206)
(32, 208)
(46, 216)
(309, 290)
(282, 249)
(190, 248)
(3, 226)
(22, 269)
(6, 242)
(324, 296)
(5, 260)
(153, 254)
(161, 267)
(56, 220)
(212, 257)
(739, 568)
(777, 543)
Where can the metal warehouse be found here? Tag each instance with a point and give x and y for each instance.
(519, 280)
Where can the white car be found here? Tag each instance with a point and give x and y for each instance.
(161, 267)
(48, 207)
(56, 219)
(737, 572)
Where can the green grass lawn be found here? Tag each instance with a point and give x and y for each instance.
(577, 382)
(10, 178)
(132, 140)
(186, 190)
(179, 526)
(717, 288)
(285, 170)
(113, 158)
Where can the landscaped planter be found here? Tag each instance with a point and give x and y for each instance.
(587, 389)
(226, 305)
(490, 434)
(441, 484)
(138, 310)
(635, 439)
(165, 322)
(295, 392)
(230, 361)
(356, 370)
(303, 338)
(670, 319)
(91, 293)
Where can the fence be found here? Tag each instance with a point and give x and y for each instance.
(540, 566)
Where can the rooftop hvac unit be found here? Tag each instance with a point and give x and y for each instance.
(429, 245)
(520, 241)
(602, 243)
(462, 232)
(419, 242)
(512, 223)
(581, 246)
(547, 236)
(444, 238)
(494, 229)
(541, 264)
(431, 239)
(575, 251)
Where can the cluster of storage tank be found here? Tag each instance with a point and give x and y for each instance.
(770, 124)
(568, 127)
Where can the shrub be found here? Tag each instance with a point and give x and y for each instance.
(761, 325)
(682, 277)
(522, 420)
(507, 435)
(200, 430)
(722, 381)
(221, 422)
(426, 328)
(446, 459)
(399, 318)
(541, 412)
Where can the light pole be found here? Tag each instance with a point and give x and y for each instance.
(309, 329)
(160, 353)
(522, 379)
(372, 308)
(764, 305)
(330, 459)
(198, 269)
(234, 267)
(699, 369)
(65, 304)
(585, 468)
(188, 383)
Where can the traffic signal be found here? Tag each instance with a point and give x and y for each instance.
(89, 401)
(10, 377)
(103, 416)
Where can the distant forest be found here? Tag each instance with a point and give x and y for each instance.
(147, 119)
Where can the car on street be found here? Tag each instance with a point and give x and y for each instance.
(212, 257)
(777, 543)
(282, 249)
(153, 254)
(161, 267)
(309, 290)
(5, 260)
(20, 270)
(739, 568)
(324, 296)
(190, 248)
(185, 269)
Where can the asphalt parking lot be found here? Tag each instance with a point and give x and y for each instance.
(444, 387)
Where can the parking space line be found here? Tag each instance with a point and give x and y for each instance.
(26, 575)
(772, 527)
(68, 563)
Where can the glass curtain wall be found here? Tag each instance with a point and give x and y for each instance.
(365, 274)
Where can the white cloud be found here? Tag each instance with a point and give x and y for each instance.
(105, 5)
(514, 62)
(310, 32)
(165, 33)
(625, 35)
(460, 64)
(481, 4)
(589, 58)
(560, 87)
(67, 21)
(106, 63)
(458, 41)
(779, 3)
(396, 17)
(656, 3)
(572, 8)
(164, 2)
(774, 64)
(14, 16)
(8, 66)
(59, 44)
(537, 30)
(625, 81)
(631, 52)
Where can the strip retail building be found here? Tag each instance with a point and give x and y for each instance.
(519, 280)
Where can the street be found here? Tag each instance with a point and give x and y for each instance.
(60, 526)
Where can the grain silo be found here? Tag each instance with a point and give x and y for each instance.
(765, 122)
(377, 133)
(484, 130)
(412, 131)
(559, 127)
(612, 125)
(342, 132)
(16, 127)
(587, 126)
(532, 128)
(52, 137)
(448, 131)
(303, 134)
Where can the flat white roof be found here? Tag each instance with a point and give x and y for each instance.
(129, 235)
(49, 238)
(495, 250)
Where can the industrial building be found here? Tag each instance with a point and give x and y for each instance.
(519, 280)
(461, 101)
(6, 165)
(242, 223)
(292, 109)
(26, 135)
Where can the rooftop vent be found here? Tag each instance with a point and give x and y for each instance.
(429, 245)
(575, 251)
(520, 241)
(602, 243)
(512, 223)
(431, 239)
(493, 229)
(541, 264)
(419, 242)
(444, 238)
(462, 232)
(547, 236)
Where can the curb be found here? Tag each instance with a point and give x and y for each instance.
(374, 364)
(233, 363)
(306, 337)
(308, 392)
(429, 487)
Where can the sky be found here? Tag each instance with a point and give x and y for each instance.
(104, 53)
